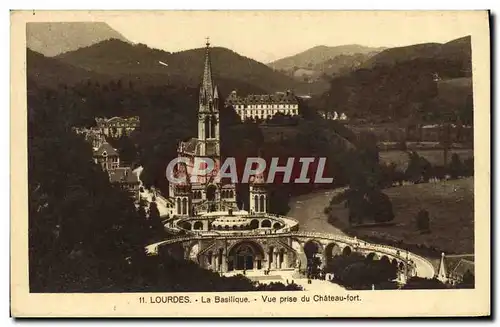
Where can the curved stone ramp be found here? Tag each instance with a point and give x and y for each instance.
(423, 267)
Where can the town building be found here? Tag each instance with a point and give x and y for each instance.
(263, 106)
(117, 126)
(333, 115)
(107, 157)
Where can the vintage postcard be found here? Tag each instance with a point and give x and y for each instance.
(250, 163)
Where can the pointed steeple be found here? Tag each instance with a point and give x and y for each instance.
(207, 84)
(216, 93)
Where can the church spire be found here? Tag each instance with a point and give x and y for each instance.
(207, 85)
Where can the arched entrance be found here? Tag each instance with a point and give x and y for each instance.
(312, 250)
(245, 256)
(254, 224)
(331, 250)
(266, 223)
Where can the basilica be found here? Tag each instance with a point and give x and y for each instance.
(206, 193)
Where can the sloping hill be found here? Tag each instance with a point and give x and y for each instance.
(425, 81)
(50, 72)
(319, 54)
(458, 50)
(51, 39)
(117, 58)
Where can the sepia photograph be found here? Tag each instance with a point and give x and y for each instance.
(252, 158)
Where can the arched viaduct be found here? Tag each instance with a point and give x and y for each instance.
(284, 250)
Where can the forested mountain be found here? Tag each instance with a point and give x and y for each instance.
(320, 54)
(51, 39)
(52, 73)
(415, 82)
(457, 51)
(232, 71)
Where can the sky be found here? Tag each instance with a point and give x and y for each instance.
(270, 35)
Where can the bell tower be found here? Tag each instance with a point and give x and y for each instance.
(208, 111)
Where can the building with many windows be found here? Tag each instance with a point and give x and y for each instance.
(117, 126)
(263, 106)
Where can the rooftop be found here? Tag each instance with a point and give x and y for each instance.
(105, 150)
(276, 98)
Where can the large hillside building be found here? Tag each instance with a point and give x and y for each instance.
(117, 126)
(263, 106)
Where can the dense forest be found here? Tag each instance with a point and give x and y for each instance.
(398, 93)
(428, 83)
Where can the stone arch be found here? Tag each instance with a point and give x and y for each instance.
(281, 258)
(254, 224)
(276, 225)
(371, 256)
(394, 263)
(262, 203)
(186, 225)
(401, 265)
(256, 202)
(231, 194)
(207, 127)
(226, 227)
(213, 124)
(312, 251)
(179, 209)
(184, 206)
(346, 251)
(266, 223)
(312, 247)
(198, 225)
(385, 259)
(245, 255)
(332, 250)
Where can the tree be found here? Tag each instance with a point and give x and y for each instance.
(380, 206)
(423, 221)
(456, 166)
(468, 280)
(154, 213)
(423, 283)
(419, 169)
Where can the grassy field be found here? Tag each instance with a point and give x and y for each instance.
(451, 208)
(435, 157)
